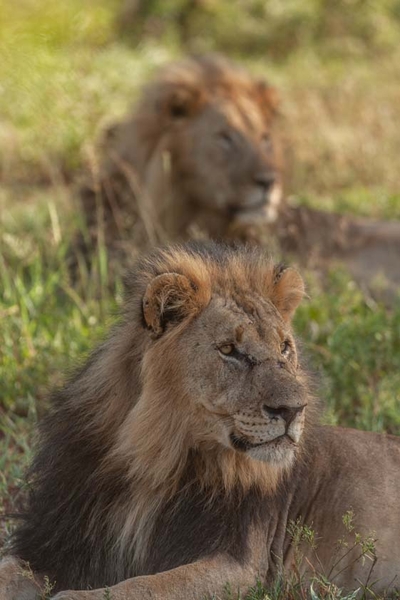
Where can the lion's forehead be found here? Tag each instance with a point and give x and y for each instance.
(243, 113)
(250, 316)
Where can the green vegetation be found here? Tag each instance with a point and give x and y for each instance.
(65, 73)
(344, 27)
(354, 345)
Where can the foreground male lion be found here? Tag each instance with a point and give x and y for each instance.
(198, 151)
(175, 460)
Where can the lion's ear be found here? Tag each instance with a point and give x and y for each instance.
(288, 290)
(182, 101)
(169, 298)
(268, 98)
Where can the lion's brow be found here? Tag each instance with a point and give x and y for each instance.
(255, 308)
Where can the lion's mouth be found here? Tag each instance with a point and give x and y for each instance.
(244, 209)
(243, 444)
(256, 207)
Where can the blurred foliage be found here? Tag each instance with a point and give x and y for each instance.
(57, 81)
(54, 24)
(266, 26)
(67, 74)
(374, 202)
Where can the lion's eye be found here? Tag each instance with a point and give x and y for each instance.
(227, 349)
(285, 348)
(225, 139)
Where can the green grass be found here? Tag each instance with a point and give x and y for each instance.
(354, 346)
(63, 75)
(375, 203)
(66, 75)
(46, 326)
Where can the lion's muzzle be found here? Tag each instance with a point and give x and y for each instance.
(281, 424)
(258, 204)
(292, 417)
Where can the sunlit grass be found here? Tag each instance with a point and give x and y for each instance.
(63, 75)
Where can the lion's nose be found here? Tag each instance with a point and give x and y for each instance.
(284, 412)
(265, 181)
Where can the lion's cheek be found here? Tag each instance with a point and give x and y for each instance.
(211, 425)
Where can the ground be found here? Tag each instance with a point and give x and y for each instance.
(66, 75)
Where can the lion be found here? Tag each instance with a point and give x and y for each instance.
(177, 458)
(198, 156)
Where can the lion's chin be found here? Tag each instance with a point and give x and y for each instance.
(280, 452)
(259, 210)
(280, 455)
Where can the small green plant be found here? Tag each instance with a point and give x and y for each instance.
(107, 594)
(48, 588)
(301, 533)
(348, 550)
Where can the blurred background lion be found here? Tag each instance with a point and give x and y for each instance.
(200, 156)
(199, 153)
